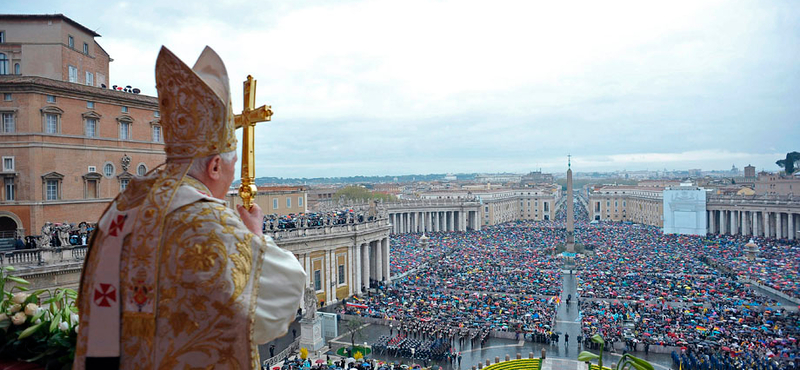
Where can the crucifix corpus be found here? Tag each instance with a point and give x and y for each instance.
(247, 121)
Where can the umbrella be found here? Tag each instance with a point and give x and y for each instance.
(320, 361)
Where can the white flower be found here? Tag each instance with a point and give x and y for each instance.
(63, 326)
(74, 319)
(19, 318)
(3, 317)
(38, 321)
(76, 329)
(14, 308)
(20, 297)
(31, 308)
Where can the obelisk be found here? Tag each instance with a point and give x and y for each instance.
(570, 211)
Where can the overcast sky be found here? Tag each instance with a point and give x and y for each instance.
(400, 87)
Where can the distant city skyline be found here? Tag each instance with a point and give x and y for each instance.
(377, 87)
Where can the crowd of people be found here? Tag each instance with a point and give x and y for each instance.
(637, 287)
(275, 222)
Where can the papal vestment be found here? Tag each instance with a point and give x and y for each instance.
(173, 278)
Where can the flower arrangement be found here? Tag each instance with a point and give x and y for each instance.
(37, 331)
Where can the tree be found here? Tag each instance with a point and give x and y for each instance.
(790, 163)
(355, 325)
(361, 194)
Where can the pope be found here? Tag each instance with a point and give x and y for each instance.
(174, 278)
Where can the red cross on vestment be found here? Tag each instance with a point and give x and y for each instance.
(116, 225)
(104, 295)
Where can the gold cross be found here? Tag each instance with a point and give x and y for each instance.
(247, 121)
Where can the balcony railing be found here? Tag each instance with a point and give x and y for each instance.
(327, 230)
(43, 256)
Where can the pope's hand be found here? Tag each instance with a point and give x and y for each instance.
(252, 218)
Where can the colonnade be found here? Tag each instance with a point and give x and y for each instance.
(768, 224)
(433, 221)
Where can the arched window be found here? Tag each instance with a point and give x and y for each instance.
(141, 170)
(3, 64)
(16, 69)
(108, 169)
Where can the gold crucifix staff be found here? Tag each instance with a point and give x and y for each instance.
(247, 121)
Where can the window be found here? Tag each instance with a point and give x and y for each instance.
(288, 202)
(90, 104)
(51, 123)
(7, 96)
(51, 98)
(341, 275)
(91, 180)
(124, 130)
(8, 164)
(124, 109)
(91, 169)
(317, 280)
(85, 48)
(156, 133)
(52, 190)
(275, 203)
(108, 170)
(89, 78)
(141, 170)
(3, 64)
(73, 74)
(9, 125)
(17, 70)
(299, 201)
(123, 183)
(91, 127)
(156, 114)
(91, 189)
(9, 185)
(2, 37)
(71, 42)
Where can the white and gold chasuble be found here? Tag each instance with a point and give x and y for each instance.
(221, 289)
(173, 279)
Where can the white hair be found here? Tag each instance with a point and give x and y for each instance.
(198, 168)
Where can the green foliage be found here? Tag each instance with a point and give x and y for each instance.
(38, 326)
(626, 361)
(361, 194)
(355, 326)
(790, 163)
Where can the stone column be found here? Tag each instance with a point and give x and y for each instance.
(734, 222)
(723, 222)
(785, 226)
(766, 223)
(307, 266)
(754, 220)
(378, 260)
(451, 221)
(365, 260)
(330, 291)
(356, 266)
(711, 222)
(462, 220)
(792, 231)
(386, 265)
(745, 223)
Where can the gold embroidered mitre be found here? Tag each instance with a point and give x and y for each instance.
(195, 105)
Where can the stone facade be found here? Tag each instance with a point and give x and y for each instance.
(277, 200)
(67, 148)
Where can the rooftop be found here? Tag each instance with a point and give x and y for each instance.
(37, 17)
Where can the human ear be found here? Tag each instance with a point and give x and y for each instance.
(214, 169)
